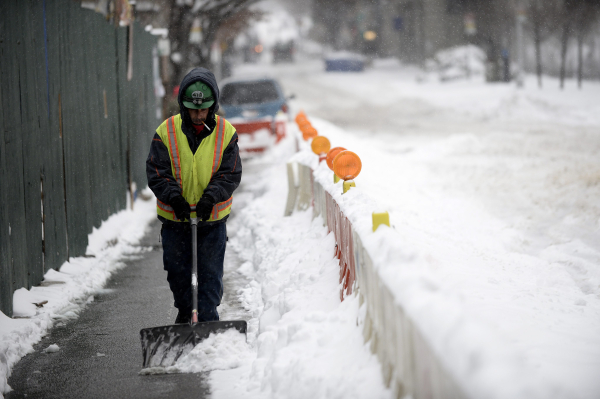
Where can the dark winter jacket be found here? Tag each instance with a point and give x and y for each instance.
(158, 164)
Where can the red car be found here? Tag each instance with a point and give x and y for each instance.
(257, 109)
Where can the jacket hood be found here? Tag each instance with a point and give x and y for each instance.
(207, 77)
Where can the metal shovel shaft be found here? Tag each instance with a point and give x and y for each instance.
(194, 271)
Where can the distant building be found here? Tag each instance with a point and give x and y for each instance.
(413, 30)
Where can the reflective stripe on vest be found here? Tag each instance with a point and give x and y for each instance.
(218, 146)
(169, 208)
(220, 207)
(174, 149)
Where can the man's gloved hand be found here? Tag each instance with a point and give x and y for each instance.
(180, 207)
(204, 208)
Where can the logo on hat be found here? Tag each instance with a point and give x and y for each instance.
(197, 97)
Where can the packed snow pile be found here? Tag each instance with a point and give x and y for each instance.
(305, 342)
(222, 351)
(504, 229)
(63, 294)
(52, 349)
(458, 63)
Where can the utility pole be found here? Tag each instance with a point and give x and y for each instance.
(521, 17)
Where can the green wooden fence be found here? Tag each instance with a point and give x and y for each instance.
(74, 131)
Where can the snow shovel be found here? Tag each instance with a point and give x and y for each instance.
(163, 346)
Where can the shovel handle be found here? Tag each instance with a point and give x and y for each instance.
(194, 222)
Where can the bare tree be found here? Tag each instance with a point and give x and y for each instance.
(211, 15)
(544, 15)
(579, 16)
(535, 11)
(567, 18)
(332, 15)
(586, 16)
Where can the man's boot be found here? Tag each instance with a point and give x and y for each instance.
(184, 316)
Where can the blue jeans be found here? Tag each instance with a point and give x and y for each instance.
(177, 260)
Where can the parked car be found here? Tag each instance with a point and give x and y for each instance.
(344, 61)
(257, 109)
(283, 52)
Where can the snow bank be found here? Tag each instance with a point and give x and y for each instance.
(493, 195)
(63, 294)
(222, 351)
(460, 62)
(508, 310)
(305, 343)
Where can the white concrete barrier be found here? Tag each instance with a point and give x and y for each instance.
(409, 365)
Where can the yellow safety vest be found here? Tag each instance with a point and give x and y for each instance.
(194, 171)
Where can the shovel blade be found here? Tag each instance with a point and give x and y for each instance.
(163, 346)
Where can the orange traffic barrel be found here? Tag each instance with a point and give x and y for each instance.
(331, 155)
(320, 145)
(347, 165)
(300, 116)
(309, 133)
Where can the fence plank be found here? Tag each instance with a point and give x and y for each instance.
(76, 133)
(5, 254)
(33, 98)
(55, 232)
(13, 146)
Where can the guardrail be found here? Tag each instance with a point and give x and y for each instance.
(409, 365)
